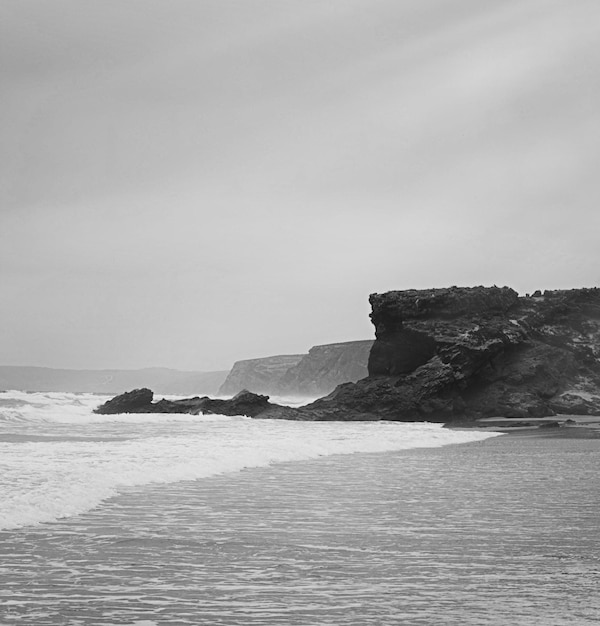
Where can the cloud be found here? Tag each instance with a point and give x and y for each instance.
(188, 183)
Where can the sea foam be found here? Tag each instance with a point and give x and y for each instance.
(88, 458)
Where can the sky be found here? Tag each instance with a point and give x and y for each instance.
(187, 183)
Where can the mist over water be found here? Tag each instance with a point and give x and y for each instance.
(59, 459)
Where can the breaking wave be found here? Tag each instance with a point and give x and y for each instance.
(59, 459)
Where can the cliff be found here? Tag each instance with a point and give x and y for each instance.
(464, 353)
(325, 367)
(258, 375)
(458, 354)
(314, 374)
(163, 380)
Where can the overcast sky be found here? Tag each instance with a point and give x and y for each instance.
(189, 183)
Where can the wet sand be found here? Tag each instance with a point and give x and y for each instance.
(503, 531)
(563, 426)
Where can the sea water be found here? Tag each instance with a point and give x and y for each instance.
(59, 459)
(152, 520)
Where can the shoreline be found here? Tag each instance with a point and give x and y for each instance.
(566, 432)
(488, 532)
(557, 426)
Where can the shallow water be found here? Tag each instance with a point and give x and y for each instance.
(502, 531)
(58, 459)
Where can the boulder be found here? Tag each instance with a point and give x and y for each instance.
(135, 401)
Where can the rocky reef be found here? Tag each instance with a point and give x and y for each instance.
(462, 353)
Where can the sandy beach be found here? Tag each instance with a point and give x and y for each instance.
(502, 531)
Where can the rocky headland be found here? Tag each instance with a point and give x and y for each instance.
(461, 353)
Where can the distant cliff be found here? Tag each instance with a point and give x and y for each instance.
(313, 374)
(162, 380)
(325, 367)
(258, 375)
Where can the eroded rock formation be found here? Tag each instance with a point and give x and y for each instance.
(458, 354)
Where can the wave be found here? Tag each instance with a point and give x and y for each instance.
(45, 479)
(71, 408)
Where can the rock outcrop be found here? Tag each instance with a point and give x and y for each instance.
(458, 354)
(129, 402)
(141, 401)
(258, 375)
(464, 353)
(325, 367)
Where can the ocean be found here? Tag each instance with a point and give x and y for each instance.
(148, 520)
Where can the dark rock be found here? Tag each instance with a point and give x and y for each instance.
(129, 402)
(458, 354)
(244, 403)
(464, 353)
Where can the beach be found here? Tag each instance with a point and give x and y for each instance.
(500, 531)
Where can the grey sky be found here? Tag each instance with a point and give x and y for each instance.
(187, 183)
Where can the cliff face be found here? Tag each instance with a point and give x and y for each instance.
(314, 374)
(258, 375)
(325, 367)
(456, 353)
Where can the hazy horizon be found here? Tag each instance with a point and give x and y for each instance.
(189, 183)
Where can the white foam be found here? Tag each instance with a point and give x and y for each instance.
(42, 481)
(69, 408)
